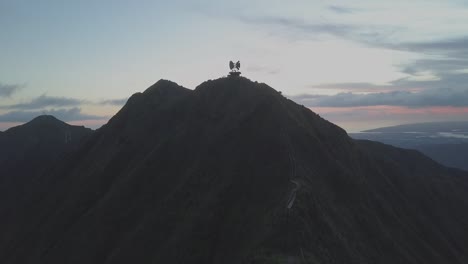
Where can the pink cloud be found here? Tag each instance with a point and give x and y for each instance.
(89, 123)
(5, 125)
(398, 110)
(366, 117)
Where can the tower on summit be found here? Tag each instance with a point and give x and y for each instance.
(234, 69)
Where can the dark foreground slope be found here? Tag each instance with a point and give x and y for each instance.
(233, 172)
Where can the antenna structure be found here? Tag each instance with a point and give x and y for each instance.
(234, 67)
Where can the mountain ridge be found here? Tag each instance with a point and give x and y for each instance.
(233, 172)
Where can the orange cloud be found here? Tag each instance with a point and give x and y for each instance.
(390, 109)
(367, 117)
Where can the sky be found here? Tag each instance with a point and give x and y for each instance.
(361, 64)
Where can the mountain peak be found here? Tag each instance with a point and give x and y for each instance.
(165, 88)
(45, 118)
(223, 98)
(46, 124)
(239, 83)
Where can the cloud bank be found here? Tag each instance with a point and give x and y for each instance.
(44, 101)
(73, 114)
(6, 90)
(341, 9)
(116, 102)
(426, 98)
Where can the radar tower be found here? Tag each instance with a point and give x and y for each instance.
(235, 69)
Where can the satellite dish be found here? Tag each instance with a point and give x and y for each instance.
(234, 69)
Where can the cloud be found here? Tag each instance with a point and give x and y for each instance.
(46, 101)
(449, 88)
(263, 69)
(302, 29)
(341, 9)
(297, 24)
(73, 114)
(357, 87)
(419, 79)
(434, 68)
(378, 36)
(437, 66)
(117, 102)
(425, 98)
(295, 28)
(367, 117)
(438, 78)
(6, 90)
(445, 57)
(449, 46)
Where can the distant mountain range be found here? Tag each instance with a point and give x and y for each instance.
(232, 172)
(431, 127)
(445, 142)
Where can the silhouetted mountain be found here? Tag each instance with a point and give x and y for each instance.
(28, 150)
(233, 172)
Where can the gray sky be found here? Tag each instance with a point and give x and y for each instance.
(360, 64)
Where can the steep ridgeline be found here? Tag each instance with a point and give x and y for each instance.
(28, 150)
(233, 172)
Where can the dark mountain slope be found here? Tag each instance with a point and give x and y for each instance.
(452, 155)
(233, 172)
(434, 195)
